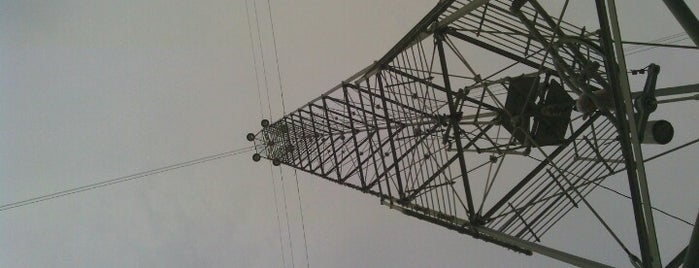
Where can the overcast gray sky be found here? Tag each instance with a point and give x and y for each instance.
(92, 90)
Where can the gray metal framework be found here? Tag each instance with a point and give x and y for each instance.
(430, 135)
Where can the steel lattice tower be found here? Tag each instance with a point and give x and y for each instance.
(430, 136)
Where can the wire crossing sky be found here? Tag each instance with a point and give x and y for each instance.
(262, 116)
(131, 177)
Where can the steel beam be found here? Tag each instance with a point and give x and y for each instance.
(541, 249)
(500, 51)
(628, 136)
(497, 237)
(685, 17)
(379, 80)
(691, 258)
(441, 88)
(416, 34)
(455, 124)
(669, 91)
(541, 166)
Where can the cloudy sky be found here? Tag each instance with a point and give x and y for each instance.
(93, 90)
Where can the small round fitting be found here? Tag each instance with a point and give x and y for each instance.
(658, 132)
(250, 137)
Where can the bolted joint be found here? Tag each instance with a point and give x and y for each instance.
(456, 117)
(478, 220)
(440, 34)
(646, 103)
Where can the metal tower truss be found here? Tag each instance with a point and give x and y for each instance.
(501, 154)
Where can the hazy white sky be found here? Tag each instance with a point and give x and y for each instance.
(91, 90)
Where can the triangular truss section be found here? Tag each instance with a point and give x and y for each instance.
(430, 134)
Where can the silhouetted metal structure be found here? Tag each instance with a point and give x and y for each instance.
(430, 136)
